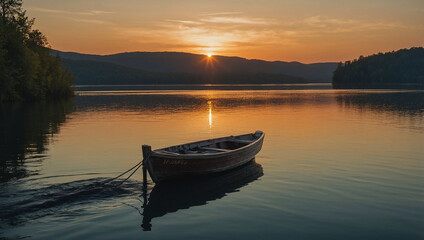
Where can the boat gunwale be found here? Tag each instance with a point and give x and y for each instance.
(156, 153)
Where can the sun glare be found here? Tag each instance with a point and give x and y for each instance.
(209, 54)
(210, 113)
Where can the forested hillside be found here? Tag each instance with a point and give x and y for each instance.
(27, 69)
(98, 73)
(403, 68)
(202, 65)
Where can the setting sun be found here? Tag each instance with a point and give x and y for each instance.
(209, 54)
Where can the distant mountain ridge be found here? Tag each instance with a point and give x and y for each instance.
(101, 73)
(200, 66)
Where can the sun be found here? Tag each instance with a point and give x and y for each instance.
(209, 54)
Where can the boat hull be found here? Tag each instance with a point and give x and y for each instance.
(163, 167)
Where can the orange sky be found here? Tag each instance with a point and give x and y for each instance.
(287, 30)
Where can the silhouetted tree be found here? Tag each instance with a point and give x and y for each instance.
(10, 8)
(392, 69)
(27, 70)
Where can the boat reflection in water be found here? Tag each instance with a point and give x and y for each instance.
(172, 196)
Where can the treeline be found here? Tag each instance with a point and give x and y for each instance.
(402, 68)
(98, 73)
(27, 69)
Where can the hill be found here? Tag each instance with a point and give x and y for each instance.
(397, 69)
(201, 67)
(98, 73)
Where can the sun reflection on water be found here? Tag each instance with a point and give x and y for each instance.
(210, 114)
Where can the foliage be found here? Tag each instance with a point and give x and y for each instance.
(401, 68)
(27, 70)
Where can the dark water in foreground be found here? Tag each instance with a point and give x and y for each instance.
(335, 165)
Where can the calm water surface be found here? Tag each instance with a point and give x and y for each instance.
(334, 165)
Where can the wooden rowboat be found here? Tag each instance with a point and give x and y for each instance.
(202, 157)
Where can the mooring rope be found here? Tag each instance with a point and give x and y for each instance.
(119, 184)
(137, 166)
(120, 175)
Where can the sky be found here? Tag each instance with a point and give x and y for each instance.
(287, 30)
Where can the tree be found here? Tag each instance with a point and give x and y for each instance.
(27, 70)
(402, 68)
(10, 8)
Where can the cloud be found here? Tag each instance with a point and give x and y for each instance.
(221, 13)
(223, 20)
(234, 32)
(57, 11)
(209, 32)
(75, 15)
(46, 10)
(218, 32)
(94, 21)
(325, 24)
(98, 12)
(235, 20)
(185, 22)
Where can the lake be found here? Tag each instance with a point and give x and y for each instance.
(335, 164)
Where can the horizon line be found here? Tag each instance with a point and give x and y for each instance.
(199, 54)
(226, 56)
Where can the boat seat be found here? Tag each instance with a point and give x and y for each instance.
(216, 149)
(241, 141)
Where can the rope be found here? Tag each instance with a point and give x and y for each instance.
(119, 184)
(112, 179)
(137, 166)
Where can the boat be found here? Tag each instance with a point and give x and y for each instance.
(202, 157)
